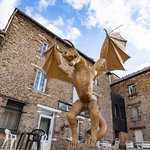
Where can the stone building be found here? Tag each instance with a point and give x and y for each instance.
(27, 99)
(132, 94)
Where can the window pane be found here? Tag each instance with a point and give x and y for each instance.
(37, 78)
(11, 116)
(45, 125)
(43, 48)
(39, 83)
(132, 89)
(63, 106)
(15, 105)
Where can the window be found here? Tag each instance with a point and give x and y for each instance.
(40, 81)
(43, 48)
(63, 106)
(135, 113)
(132, 89)
(11, 117)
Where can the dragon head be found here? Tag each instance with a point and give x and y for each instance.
(71, 54)
(74, 59)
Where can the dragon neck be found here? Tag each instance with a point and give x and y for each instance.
(80, 65)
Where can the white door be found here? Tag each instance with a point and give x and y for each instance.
(46, 123)
(138, 135)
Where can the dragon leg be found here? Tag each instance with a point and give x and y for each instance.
(71, 116)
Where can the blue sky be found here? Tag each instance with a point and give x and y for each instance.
(82, 21)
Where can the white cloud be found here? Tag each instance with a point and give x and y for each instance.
(51, 25)
(57, 26)
(59, 22)
(90, 20)
(65, 31)
(29, 10)
(6, 9)
(43, 4)
(77, 4)
(48, 24)
(134, 15)
(73, 34)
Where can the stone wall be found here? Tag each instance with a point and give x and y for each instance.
(19, 53)
(141, 99)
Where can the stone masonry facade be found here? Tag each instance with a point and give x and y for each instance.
(135, 89)
(19, 60)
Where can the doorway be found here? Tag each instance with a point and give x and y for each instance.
(46, 123)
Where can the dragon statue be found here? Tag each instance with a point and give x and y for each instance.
(68, 65)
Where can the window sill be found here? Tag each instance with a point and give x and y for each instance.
(39, 92)
(133, 95)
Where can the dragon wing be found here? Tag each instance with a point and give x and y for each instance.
(112, 54)
(52, 66)
(113, 50)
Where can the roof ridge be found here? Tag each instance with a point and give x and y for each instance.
(136, 73)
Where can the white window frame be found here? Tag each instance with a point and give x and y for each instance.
(43, 48)
(39, 81)
(67, 107)
(132, 89)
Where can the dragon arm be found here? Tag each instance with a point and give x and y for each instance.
(55, 66)
(60, 62)
(99, 67)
